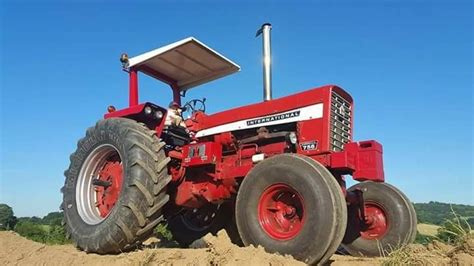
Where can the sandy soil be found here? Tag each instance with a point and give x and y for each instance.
(214, 250)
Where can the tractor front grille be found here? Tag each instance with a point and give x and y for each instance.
(341, 115)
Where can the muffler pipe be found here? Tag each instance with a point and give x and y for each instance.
(267, 60)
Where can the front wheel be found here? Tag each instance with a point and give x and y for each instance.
(390, 221)
(291, 204)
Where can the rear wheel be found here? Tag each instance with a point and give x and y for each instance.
(115, 186)
(291, 205)
(390, 221)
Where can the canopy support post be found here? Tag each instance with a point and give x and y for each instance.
(176, 94)
(133, 88)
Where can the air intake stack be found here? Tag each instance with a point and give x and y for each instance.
(267, 60)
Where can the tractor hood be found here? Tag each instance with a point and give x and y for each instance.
(184, 64)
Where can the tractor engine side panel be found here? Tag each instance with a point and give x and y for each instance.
(312, 137)
(213, 170)
(202, 154)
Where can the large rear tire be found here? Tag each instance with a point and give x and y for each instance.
(115, 186)
(391, 221)
(293, 205)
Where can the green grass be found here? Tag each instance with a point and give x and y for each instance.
(162, 231)
(455, 231)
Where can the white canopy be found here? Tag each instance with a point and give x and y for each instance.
(186, 63)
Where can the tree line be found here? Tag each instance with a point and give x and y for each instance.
(48, 229)
(437, 212)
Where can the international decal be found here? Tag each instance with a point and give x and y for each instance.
(272, 118)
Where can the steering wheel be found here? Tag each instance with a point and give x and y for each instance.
(194, 106)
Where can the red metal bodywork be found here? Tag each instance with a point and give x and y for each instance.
(298, 100)
(211, 166)
(134, 109)
(363, 159)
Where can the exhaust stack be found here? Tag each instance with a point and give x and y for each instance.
(267, 60)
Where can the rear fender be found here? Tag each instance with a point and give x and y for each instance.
(137, 113)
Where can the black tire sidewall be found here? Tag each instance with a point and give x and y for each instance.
(414, 220)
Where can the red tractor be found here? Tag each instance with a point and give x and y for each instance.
(270, 173)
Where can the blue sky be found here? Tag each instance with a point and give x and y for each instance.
(408, 65)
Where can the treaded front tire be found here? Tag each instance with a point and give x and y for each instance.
(137, 210)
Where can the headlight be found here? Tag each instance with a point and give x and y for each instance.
(148, 110)
(158, 114)
(292, 137)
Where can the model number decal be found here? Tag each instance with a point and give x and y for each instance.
(309, 145)
(273, 118)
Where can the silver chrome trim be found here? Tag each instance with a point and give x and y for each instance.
(341, 118)
(267, 60)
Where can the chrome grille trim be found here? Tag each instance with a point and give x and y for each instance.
(341, 116)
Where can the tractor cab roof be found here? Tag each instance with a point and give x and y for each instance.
(184, 64)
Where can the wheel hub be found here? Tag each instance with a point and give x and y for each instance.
(376, 222)
(109, 186)
(281, 212)
(99, 184)
(290, 211)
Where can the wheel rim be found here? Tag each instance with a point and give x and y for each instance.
(376, 222)
(99, 184)
(281, 212)
(200, 219)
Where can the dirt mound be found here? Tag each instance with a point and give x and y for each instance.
(18, 250)
(210, 250)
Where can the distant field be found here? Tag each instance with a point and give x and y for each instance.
(428, 229)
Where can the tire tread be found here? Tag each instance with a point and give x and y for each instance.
(143, 195)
